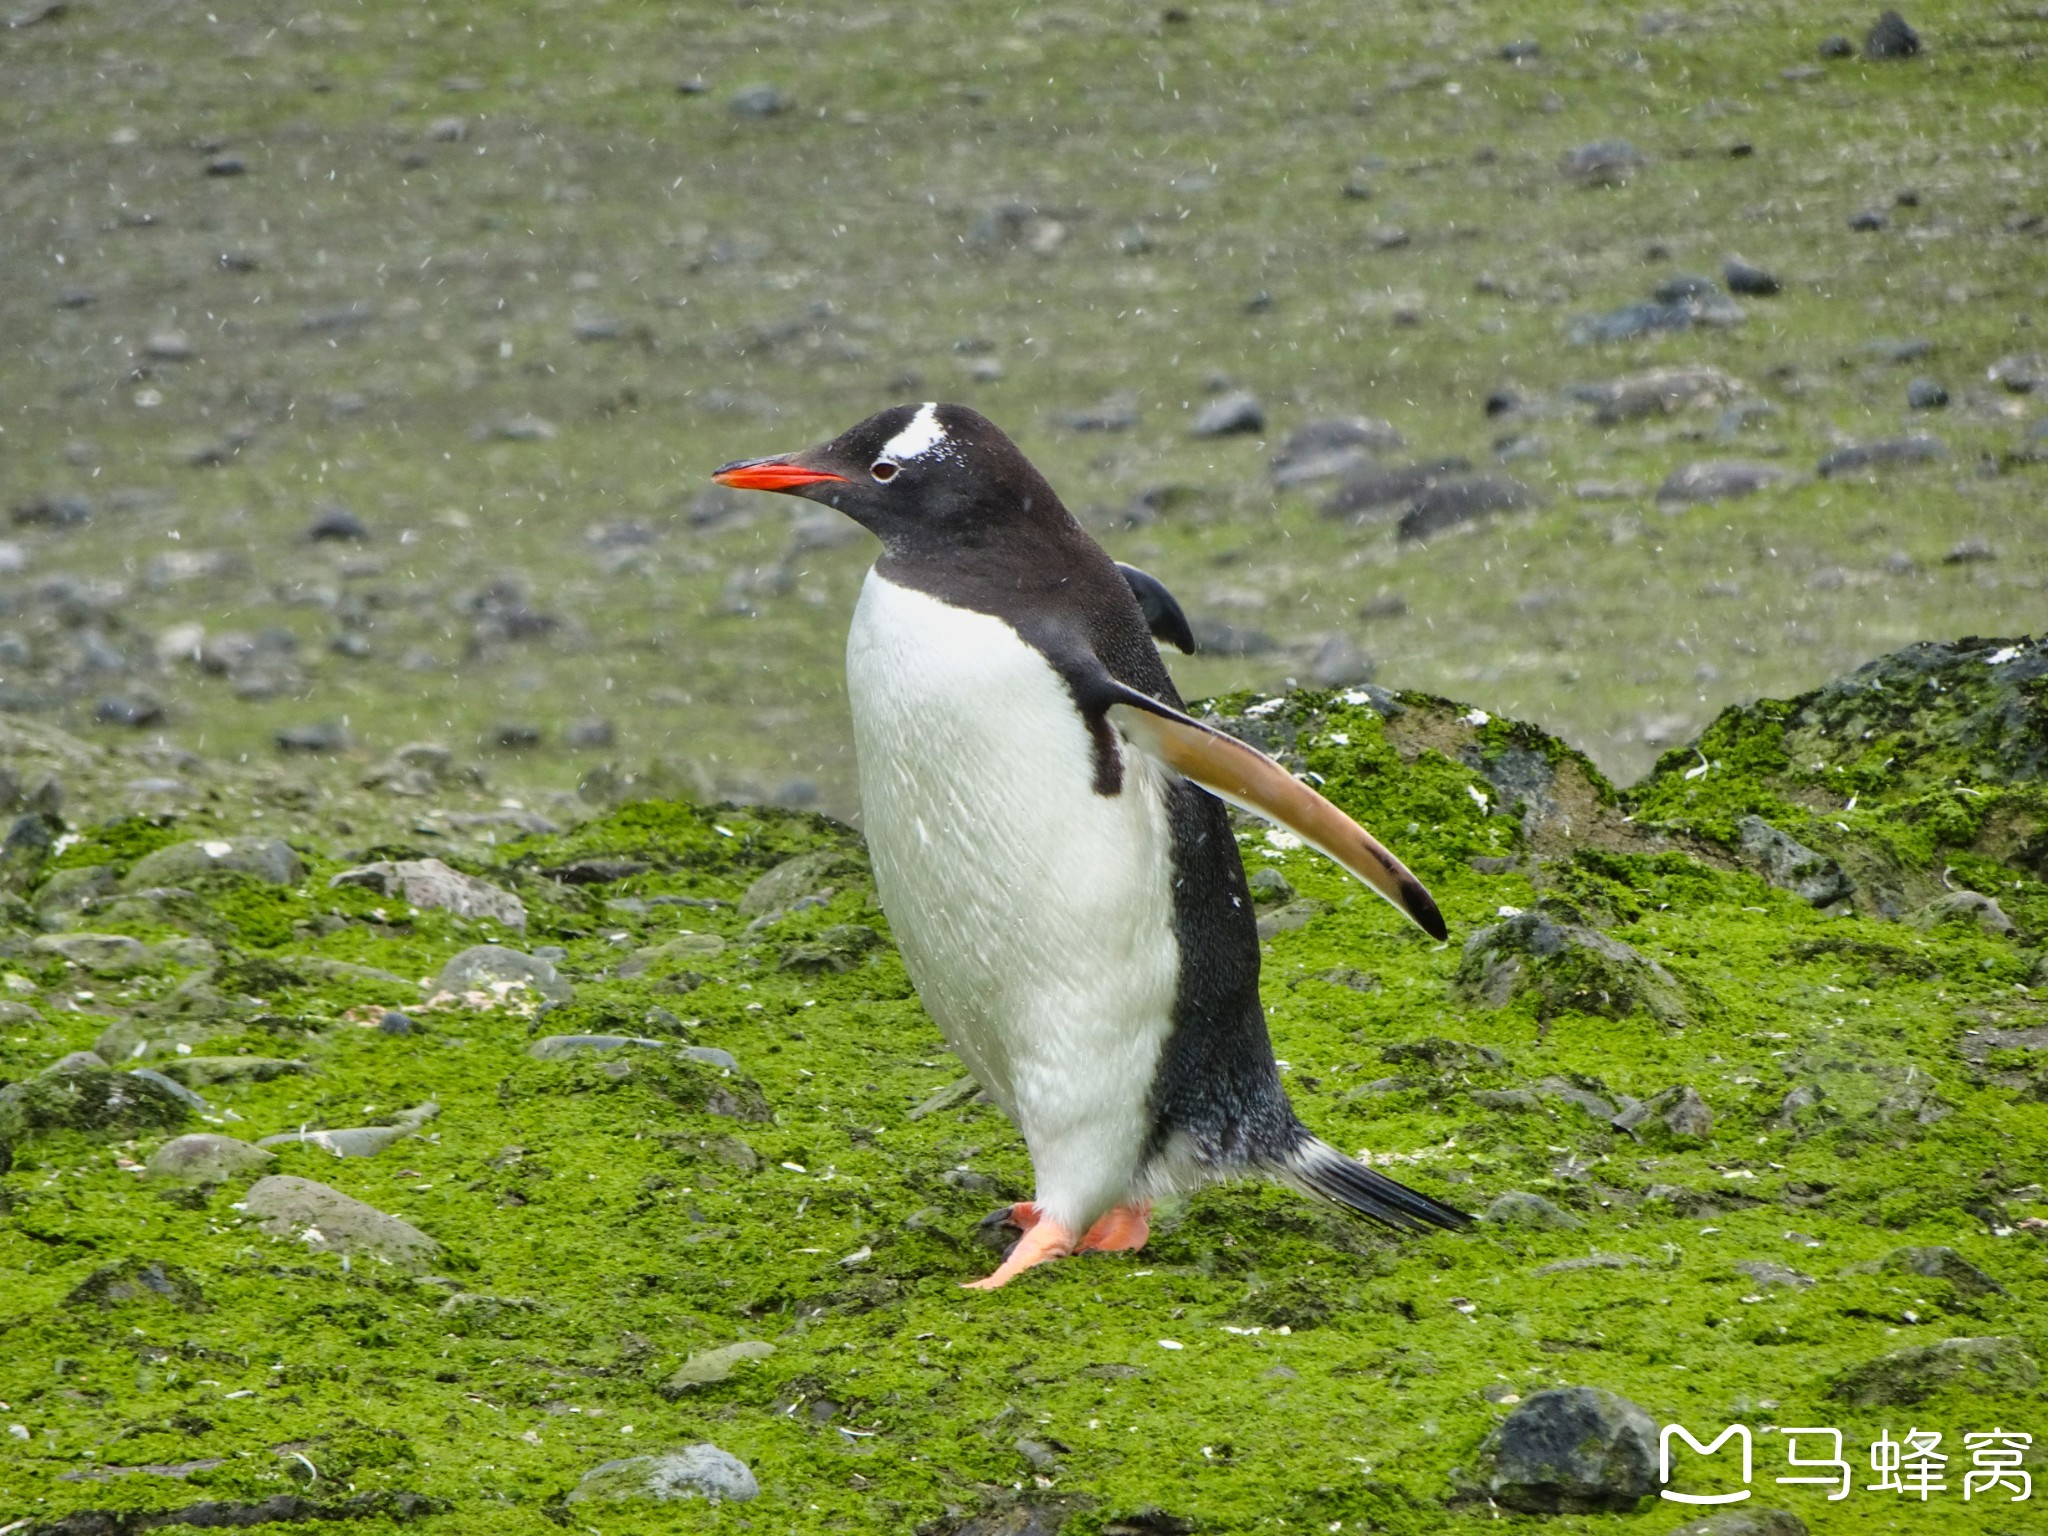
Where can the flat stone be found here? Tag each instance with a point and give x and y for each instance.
(1449, 503)
(269, 859)
(353, 1141)
(1565, 966)
(1743, 1522)
(103, 954)
(1935, 1263)
(701, 1471)
(1883, 453)
(1519, 1208)
(714, 1365)
(1982, 1366)
(93, 1100)
(1235, 412)
(807, 874)
(206, 1071)
(1791, 865)
(1766, 1273)
(1331, 448)
(205, 1157)
(494, 968)
(674, 954)
(1969, 907)
(430, 883)
(560, 1047)
(1718, 480)
(328, 1221)
(137, 1279)
(1572, 1451)
(1661, 392)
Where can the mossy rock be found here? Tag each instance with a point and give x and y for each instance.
(138, 1279)
(268, 859)
(96, 1101)
(1982, 1365)
(1566, 967)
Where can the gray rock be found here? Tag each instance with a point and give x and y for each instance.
(1238, 411)
(758, 101)
(808, 874)
(269, 859)
(138, 1279)
(1338, 662)
(1386, 489)
(1660, 392)
(1891, 38)
(1572, 1451)
(1519, 1208)
(103, 954)
(327, 1221)
(1114, 413)
(1971, 907)
(2022, 372)
(1791, 865)
(1768, 1274)
(1718, 480)
(90, 1099)
(337, 524)
(182, 1092)
(1333, 447)
(315, 736)
(1604, 163)
(1565, 966)
(1287, 919)
(1590, 1261)
(1217, 637)
(953, 1095)
(353, 1141)
(1747, 279)
(1836, 46)
(1924, 394)
(206, 1071)
(1972, 551)
(710, 1055)
(430, 883)
(837, 950)
(205, 1157)
(494, 968)
(1269, 886)
(1683, 1112)
(1943, 1264)
(1869, 220)
(711, 1366)
(1884, 453)
(1744, 1522)
(679, 953)
(1633, 320)
(1996, 1364)
(695, 1471)
(1464, 499)
(561, 1047)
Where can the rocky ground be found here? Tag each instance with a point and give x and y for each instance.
(365, 365)
(374, 1154)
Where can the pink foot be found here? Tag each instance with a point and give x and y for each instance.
(1042, 1242)
(1123, 1230)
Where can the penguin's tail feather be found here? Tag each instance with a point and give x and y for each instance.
(1320, 1169)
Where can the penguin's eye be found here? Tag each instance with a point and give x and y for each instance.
(884, 470)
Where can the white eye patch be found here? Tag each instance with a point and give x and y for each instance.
(920, 435)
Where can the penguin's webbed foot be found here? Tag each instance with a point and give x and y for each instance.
(1123, 1230)
(1042, 1242)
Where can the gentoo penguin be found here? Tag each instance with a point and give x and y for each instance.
(1050, 842)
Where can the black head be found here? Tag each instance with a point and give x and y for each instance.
(919, 477)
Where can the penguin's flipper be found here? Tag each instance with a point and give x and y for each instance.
(1162, 614)
(1252, 781)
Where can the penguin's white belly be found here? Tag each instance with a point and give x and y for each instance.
(1035, 915)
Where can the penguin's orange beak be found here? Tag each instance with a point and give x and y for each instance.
(770, 475)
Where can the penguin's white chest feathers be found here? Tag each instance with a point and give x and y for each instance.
(1035, 915)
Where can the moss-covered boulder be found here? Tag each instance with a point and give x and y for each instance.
(1995, 1364)
(1565, 967)
(268, 859)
